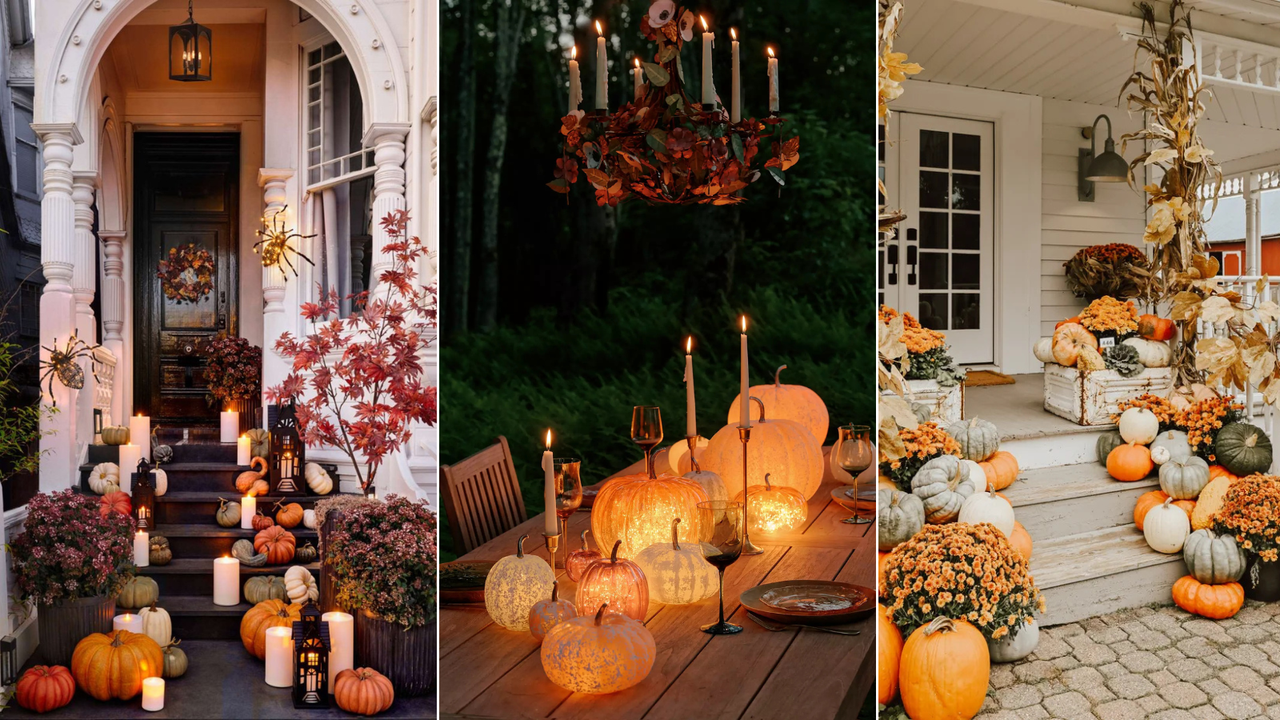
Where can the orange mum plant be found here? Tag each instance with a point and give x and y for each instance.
(963, 572)
(920, 444)
(1109, 316)
(1159, 406)
(1251, 514)
(1202, 421)
(926, 349)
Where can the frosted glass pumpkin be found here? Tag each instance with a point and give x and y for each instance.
(637, 510)
(104, 478)
(796, 403)
(773, 508)
(616, 582)
(782, 448)
(546, 614)
(575, 564)
(677, 575)
(678, 455)
(711, 483)
(596, 654)
(514, 584)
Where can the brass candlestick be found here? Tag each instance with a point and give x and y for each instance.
(748, 548)
(553, 543)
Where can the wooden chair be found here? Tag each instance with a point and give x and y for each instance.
(482, 497)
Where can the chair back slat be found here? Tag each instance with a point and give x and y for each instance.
(482, 497)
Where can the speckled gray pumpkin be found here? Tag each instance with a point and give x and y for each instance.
(942, 485)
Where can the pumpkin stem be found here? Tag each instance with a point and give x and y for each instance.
(777, 376)
(613, 556)
(600, 614)
(153, 605)
(939, 624)
(759, 402)
(555, 590)
(520, 546)
(692, 441)
(767, 486)
(675, 535)
(585, 546)
(173, 643)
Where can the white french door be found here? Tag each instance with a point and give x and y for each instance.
(940, 266)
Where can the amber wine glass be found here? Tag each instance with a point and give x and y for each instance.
(721, 525)
(853, 454)
(568, 479)
(646, 431)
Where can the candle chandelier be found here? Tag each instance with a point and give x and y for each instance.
(663, 146)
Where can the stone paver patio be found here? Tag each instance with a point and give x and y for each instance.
(1153, 662)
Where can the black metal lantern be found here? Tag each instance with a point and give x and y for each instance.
(310, 659)
(144, 496)
(288, 454)
(190, 50)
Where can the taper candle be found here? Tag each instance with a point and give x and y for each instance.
(279, 671)
(744, 391)
(342, 634)
(242, 450)
(773, 82)
(226, 581)
(550, 521)
(230, 424)
(735, 102)
(690, 407)
(637, 77)
(153, 694)
(602, 71)
(575, 82)
(708, 83)
(127, 621)
(248, 508)
(141, 549)
(140, 435)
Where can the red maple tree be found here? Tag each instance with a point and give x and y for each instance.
(357, 381)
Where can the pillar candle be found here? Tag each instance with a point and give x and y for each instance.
(153, 694)
(735, 102)
(127, 621)
(226, 581)
(744, 391)
(602, 71)
(773, 82)
(130, 455)
(141, 549)
(690, 407)
(140, 435)
(230, 421)
(708, 84)
(242, 450)
(551, 523)
(279, 672)
(637, 77)
(249, 508)
(342, 634)
(575, 83)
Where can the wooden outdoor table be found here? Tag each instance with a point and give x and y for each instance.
(487, 671)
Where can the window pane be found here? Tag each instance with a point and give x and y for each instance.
(933, 271)
(965, 190)
(964, 271)
(932, 312)
(933, 189)
(966, 152)
(933, 149)
(965, 310)
(22, 124)
(964, 232)
(313, 57)
(28, 171)
(933, 230)
(332, 50)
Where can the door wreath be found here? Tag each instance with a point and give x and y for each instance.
(187, 275)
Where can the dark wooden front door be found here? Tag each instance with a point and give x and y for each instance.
(185, 192)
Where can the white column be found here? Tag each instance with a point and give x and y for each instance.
(113, 312)
(1252, 239)
(275, 320)
(84, 277)
(387, 141)
(57, 303)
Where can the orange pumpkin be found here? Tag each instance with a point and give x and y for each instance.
(1217, 471)
(1148, 500)
(45, 687)
(638, 510)
(363, 691)
(115, 664)
(288, 516)
(615, 582)
(251, 482)
(1154, 327)
(889, 641)
(944, 671)
(1129, 463)
(1217, 602)
(880, 560)
(1068, 341)
(118, 501)
(781, 448)
(266, 614)
(262, 522)
(1021, 541)
(1001, 469)
(787, 402)
(277, 543)
(1073, 319)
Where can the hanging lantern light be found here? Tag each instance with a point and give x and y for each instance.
(190, 50)
(288, 454)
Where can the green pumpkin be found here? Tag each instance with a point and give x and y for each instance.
(263, 588)
(138, 593)
(1213, 559)
(1107, 442)
(175, 661)
(305, 554)
(158, 550)
(901, 516)
(115, 435)
(228, 514)
(978, 438)
(1183, 479)
(1243, 449)
(259, 443)
(243, 551)
(943, 486)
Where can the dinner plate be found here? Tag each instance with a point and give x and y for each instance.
(812, 602)
(463, 582)
(844, 496)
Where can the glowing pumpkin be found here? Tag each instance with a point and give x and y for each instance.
(546, 614)
(577, 561)
(637, 510)
(788, 402)
(773, 508)
(782, 448)
(514, 584)
(616, 582)
(598, 654)
(676, 575)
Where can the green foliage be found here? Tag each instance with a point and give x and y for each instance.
(19, 425)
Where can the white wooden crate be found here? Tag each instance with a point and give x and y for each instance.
(1091, 397)
(946, 404)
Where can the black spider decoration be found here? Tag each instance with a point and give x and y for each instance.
(274, 245)
(62, 363)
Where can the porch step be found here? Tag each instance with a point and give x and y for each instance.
(178, 507)
(212, 541)
(1101, 571)
(194, 576)
(1055, 502)
(197, 618)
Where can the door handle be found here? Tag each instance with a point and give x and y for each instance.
(913, 254)
(891, 262)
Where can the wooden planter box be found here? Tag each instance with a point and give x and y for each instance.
(945, 403)
(1091, 398)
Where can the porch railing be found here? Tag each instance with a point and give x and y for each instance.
(1256, 410)
(104, 366)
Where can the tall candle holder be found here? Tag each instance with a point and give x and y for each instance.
(553, 543)
(748, 548)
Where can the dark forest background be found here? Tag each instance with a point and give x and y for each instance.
(565, 315)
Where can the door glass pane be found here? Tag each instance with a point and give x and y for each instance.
(933, 149)
(964, 271)
(933, 189)
(933, 271)
(966, 152)
(933, 230)
(964, 232)
(964, 191)
(932, 311)
(965, 310)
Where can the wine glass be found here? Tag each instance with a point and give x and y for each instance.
(853, 454)
(721, 525)
(646, 431)
(568, 480)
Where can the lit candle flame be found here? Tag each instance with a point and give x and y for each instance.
(688, 345)
(744, 324)
(733, 33)
(574, 54)
(548, 438)
(637, 63)
(599, 28)
(704, 23)
(770, 52)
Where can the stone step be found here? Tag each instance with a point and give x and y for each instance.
(1101, 571)
(1072, 499)
(179, 507)
(194, 576)
(211, 541)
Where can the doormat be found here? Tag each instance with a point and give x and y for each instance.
(980, 378)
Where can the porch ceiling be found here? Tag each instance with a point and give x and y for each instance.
(973, 45)
(140, 56)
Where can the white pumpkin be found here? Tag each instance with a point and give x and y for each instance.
(1043, 350)
(318, 479)
(160, 479)
(104, 478)
(309, 519)
(977, 476)
(677, 575)
(1152, 353)
(1166, 527)
(711, 482)
(1160, 454)
(1170, 445)
(988, 507)
(1015, 646)
(1139, 425)
(299, 585)
(514, 584)
(156, 624)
